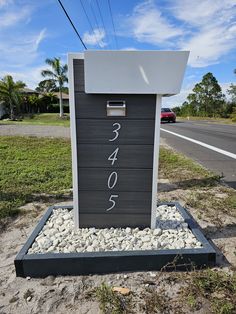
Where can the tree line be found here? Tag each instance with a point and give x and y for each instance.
(16, 101)
(208, 100)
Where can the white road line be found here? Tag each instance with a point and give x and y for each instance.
(218, 150)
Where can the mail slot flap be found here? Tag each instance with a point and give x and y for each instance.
(116, 108)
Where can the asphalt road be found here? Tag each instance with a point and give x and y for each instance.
(220, 136)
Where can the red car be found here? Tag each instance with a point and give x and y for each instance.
(167, 115)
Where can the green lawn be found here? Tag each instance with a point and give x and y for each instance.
(30, 166)
(213, 120)
(42, 119)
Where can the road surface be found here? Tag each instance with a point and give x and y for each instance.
(211, 144)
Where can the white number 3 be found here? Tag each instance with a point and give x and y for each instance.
(116, 131)
(113, 202)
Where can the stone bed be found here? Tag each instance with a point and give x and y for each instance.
(59, 236)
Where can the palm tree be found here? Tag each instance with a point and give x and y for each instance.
(58, 75)
(10, 91)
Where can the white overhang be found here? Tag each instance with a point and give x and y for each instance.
(134, 72)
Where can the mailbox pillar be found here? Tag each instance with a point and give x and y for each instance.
(115, 105)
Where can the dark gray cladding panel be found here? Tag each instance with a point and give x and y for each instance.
(127, 179)
(97, 202)
(111, 220)
(94, 106)
(127, 156)
(79, 75)
(102, 131)
(115, 157)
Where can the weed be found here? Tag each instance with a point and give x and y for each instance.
(206, 200)
(112, 302)
(223, 307)
(217, 287)
(155, 303)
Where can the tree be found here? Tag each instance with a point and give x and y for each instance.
(232, 92)
(46, 86)
(177, 110)
(207, 98)
(10, 93)
(58, 74)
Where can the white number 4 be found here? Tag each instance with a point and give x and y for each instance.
(113, 202)
(113, 156)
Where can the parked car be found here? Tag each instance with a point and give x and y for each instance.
(167, 115)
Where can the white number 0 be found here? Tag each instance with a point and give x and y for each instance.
(113, 202)
(111, 185)
(116, 131)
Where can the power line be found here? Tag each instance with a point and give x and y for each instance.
(113, 25)
(72, 24)
(90, 23)
(103, 24)
(94, 15)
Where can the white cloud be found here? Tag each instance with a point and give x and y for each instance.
(213, 29)
(205, 27)
(5, 2)
(149, 25)
(11, 18)
(207, 46)
(176, 100)
(95, 38)
(202, 12)
(129, 49)
(20, 51)
(29, 75)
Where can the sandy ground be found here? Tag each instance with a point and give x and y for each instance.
(73, 294)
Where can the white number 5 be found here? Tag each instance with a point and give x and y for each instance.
(116, 131)
(113, 202)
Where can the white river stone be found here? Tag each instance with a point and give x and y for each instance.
(59, 235)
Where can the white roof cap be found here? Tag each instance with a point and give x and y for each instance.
(134, 72)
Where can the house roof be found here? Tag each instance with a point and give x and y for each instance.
(27, 90)
(64, 95)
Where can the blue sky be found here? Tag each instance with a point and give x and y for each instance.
(31, 31)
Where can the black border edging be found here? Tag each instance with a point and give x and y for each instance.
(42, 265)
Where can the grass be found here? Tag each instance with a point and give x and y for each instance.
(184, 171)
(209, 201)
(214, 287)
(32, 166)
(111, 302)
(223, 120)
(41, 119)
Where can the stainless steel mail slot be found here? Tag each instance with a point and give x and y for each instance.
(116, 108)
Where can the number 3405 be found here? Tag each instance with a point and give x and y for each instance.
(113, 177)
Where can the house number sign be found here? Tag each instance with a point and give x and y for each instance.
(113, 177)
